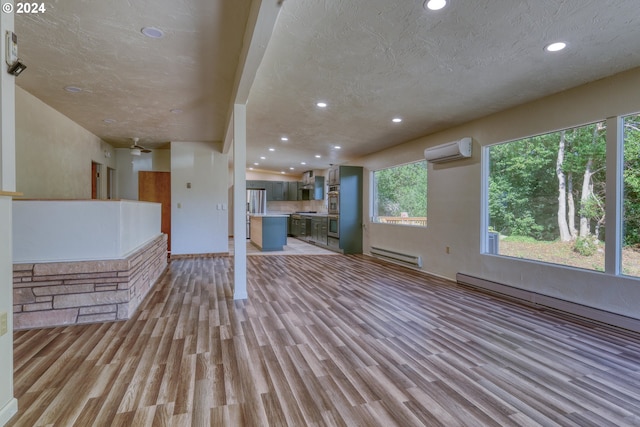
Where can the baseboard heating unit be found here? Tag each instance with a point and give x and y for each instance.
(550, 303)
(393, 256)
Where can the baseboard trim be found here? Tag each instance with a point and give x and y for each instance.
(203, 255)
(8, 411)
(551, 303)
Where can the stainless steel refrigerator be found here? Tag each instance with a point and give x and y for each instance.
(256, 204)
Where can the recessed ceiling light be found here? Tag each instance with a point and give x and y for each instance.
(250, 169)
(396, 120)
(292, 169)
(337, 147)
(318, 156)
(282, 172)
(322, 104)
(256, 164)
(73, 89)
(555, 47)
(284, 138)
(272, 149)
(263, 158)
(435, 4)
(153, 32)
(109, 121)
(176, 110)
(303, 163)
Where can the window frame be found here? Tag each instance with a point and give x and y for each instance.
(612, 138)
(614, 203)
(374, 196)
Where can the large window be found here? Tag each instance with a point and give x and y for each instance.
(547, 197)
(631, 201)
(400, 194)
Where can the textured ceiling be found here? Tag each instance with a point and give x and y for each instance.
(370, 60)
(130, 78)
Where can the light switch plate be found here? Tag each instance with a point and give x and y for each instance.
(3, 324)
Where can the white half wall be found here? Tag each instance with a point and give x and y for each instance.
(81, 230)
(199, 198)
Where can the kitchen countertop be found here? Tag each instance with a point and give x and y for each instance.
(310, 214)
(267, 215)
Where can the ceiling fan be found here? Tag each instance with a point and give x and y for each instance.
(136, 149)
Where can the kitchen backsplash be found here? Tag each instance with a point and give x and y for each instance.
(303, 205)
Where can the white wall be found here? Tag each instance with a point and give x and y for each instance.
(455, 201)
(199, 215)
(128, 166)
(54, 154)
(81, 230)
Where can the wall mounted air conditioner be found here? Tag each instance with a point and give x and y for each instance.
(450, 151)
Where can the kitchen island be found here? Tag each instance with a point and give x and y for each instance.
(268, 231)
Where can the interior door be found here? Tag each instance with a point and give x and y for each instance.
(94, 180)
(156, 187)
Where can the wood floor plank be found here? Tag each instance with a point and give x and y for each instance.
(326, 341)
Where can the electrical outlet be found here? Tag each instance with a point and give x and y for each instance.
(3, 324)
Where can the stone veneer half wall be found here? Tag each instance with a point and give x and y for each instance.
(66, 293)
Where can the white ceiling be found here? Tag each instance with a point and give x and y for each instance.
(370, 60)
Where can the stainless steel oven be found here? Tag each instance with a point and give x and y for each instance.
(333, 226)
(333, 200)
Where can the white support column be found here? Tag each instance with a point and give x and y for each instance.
(239, 201)
(614, 194)
(7, 111)
(8, 403)
(261, 22)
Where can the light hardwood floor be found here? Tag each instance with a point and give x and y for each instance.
(326, 340)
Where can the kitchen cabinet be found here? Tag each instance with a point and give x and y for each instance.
(295, 226)
(320, 231)
(314, 236)
(269, 232)
(292, 191)
(312, 229)
(278, 191)
(255, 184)
(350, 226)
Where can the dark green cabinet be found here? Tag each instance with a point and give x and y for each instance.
(289, 191)
(278, 191)
(292, 191)
(319, 226)
(255, 185)
(295, 226)
(351, 181)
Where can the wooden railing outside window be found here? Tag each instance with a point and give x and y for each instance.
(417, 220)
